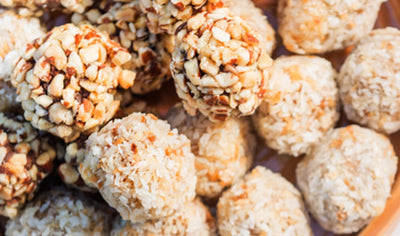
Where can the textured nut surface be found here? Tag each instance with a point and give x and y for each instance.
(369, 81)
(26, 158)
(300, 106)
(15, 32)
(126, 23)
(318, 26)
(223, 151)
(50, 5)
(141, 167)
(219, 66)
(192, 219)
(60, 212)
(66, 80)
(263, 203)
(347, 178)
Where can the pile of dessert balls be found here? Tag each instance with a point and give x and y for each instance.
(70, 104)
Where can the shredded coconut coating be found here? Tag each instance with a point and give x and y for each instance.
(219, 66)
(66, 80)
(141, 167)
(167, 16)
(223, 151)
(126, 23)
(369, 81)
(15, 32)
(60, 212)
(300, 106)
(51, 5)
(256, 19)
(192, 219)
(26, 158)
(263, 203)
(347, 178)
(319, 26)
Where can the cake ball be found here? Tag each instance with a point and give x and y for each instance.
(126, 23)
(369, 81)
(192, 219)
(26, 158)
(319, 26)
(60, 212)
(300, 106)
(347, 178)
(169, 15)
(223, 151)
(263, 203)
(66, 80)
(256, 19)
(219, 66)
(141, 167)
(50, 5)
(15, 32)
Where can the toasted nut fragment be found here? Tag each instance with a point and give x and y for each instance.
(72, 80)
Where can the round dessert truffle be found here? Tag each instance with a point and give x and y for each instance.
(66, 80)
(300, 106)
(26, 158)
(141, 167)
(51, 5)
(319, 26)
(126, 23)
(60, 212)
(263, 203)
(368, 81)
(219, 66)
(255, 18)
(223, 151)
(192, 219)
(169, 15)
(15, 32)
(347, 178)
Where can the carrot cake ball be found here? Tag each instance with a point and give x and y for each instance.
(66, 80)
(255, 18)
(300, 106)
(347, 178)
(167, 16)
(192, 219)
(60, 212)
(126, 23)
(141, 167)
(368, 81)
(51, 5)
(220, 66)
(263, 203)
(26, 158)
(319, 26)
(15, 32)
(223, 151)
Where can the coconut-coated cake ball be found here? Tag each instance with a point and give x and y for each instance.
(256, 19)
(319, 26)
(347, 178)
(263, 203)
(369, 81)
(60, 212)
(192, 219)
(223, 151)
(220, 65)
(15, 32)
(66, 80)
(126, 23)
(26, 158)
(141, 167)
(300, 106)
